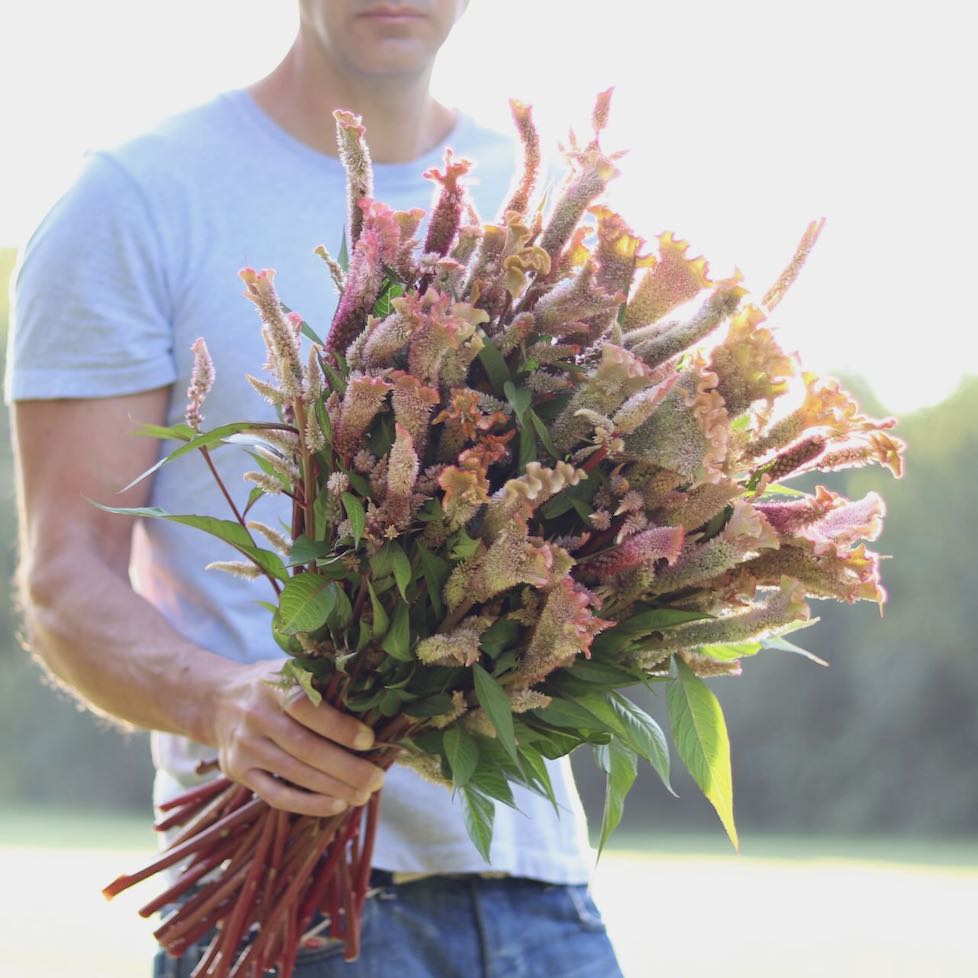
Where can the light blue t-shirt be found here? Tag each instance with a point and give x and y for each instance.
(137, 260)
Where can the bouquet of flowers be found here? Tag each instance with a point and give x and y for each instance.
(518, 487)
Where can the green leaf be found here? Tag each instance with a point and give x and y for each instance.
(397, 642)
(645, 736)
(778, 490)
(356, 515)
(779, 644)
(380, 620)
(528, 453)
(401, 567)
(495, 367)
(495, 702)
(534, 763)
(343, 258)
(656, 620)
(620, 763)
(603, 673)
(206, 439)
(544, 435)
(227, 530)
(174, 432)
(519, 397)
(700, 734)
(302, 677)
(322, 417)
(307, 330)
(432, 706)
(435, 570)
(478, 811)
(491, 781)
(729, 651)
(567, 713)
(306, 551)
(501, 634)
(306, 602)
(464, 546)
(462, 752)
(390, 289)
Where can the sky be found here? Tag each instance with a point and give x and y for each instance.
(743, 120)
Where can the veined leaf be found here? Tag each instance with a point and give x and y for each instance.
(534, 763)
(226, 530)
(495, 367)
(303, 678)
(496, 704)
(478, 811)
(306, 551)
(645, 736)
(620, 763)
(381, 621)
(356, 515)
(401, 567)
(729, 651)
(603, 673)
(491, 781)
(543, 434)
(700, 734)
(174, 432)
(657, 619)
(435, 570)
(306, 602)
(528, 452)
(397, 642)
(462, 752)
(519, 398)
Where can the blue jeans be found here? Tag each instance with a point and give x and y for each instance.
(463, 927)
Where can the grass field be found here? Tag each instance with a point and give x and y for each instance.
(676, 906)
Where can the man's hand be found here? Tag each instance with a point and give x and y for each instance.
(298, 758)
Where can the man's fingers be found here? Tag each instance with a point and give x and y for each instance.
(271, 758)
(330, 723)
(281, 795)
(324, 755)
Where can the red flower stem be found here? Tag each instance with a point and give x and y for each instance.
(195, 873)
(214, 893)
(234, 926)
(352, 949)
(199, 793)
(317, 891)
(205, 963)
(291, 949)
(366, 853)
(597, 457)
(220, 807)
(219, 830)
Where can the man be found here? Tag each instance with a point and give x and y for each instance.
(137, 260)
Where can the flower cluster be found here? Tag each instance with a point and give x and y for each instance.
(535, 461)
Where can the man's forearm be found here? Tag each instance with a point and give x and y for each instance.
(118, 653)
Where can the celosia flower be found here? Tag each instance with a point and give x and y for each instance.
(790, 517)
(362, 400)
(521, 496)
(564, 308)
(642, 549)
(447, 326)
(749, 363)
(671, 339)
(281, 337)
(392, 333)
(201, 382)
(413, 402)
(784, 607)
(787, 278)
(511, 559)
(465, 490)
(877, 446)
(271, 535)
(402, 471)
(448, 210)
(336, 272)
(458, 647)
(674, 279)
(700, 504)
(236, 568)
(356, 161)
(845, 523)
(565, 630)
(530, 141)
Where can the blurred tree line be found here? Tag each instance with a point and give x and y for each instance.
(883, 740)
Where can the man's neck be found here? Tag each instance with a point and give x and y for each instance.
(402, 119)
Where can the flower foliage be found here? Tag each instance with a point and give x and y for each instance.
(539, 460)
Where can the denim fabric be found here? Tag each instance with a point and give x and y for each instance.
(464, 927)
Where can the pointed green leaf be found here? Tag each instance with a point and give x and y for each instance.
(306, 602)
(729, 651)
(528, 453)
(462, 752)
(380, 620)
(478, 812)
(544, 435)
(700, 734)
(495, 702)
(175, 432)
(534, 763)
(775, 642)
(645, 736)
(397, 642)
(343, 258)
(519, 398)
(620, 763)
(493, 782)
(495, 367)
(356, 515)
(657, 619)
(436, 571)
(303, 678)
(306, 551)
(401, 567)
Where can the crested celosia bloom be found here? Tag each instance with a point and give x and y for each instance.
(201, 382)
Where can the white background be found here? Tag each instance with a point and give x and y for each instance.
(745, 120)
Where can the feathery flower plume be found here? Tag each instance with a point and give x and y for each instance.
(280, 335)
(355, 157)
(530, 141)
(674, 279)
(201, 382)
(787, 278)
(448, 210)
(362, 400)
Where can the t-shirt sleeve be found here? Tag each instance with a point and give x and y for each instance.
(90, 303)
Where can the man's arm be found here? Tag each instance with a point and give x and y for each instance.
(117, 652)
